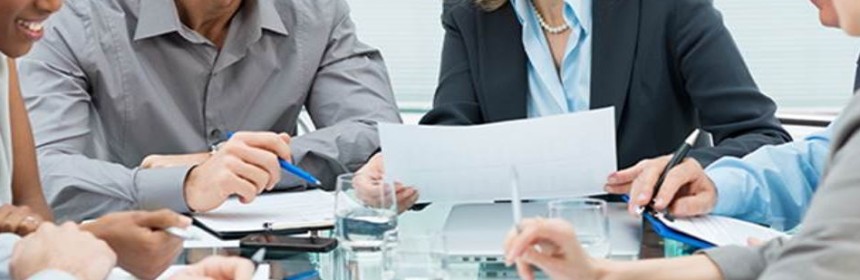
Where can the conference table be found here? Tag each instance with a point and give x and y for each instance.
(286, 265)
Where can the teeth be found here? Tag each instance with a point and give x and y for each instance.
(31, 25)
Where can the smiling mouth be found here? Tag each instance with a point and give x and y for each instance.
(32, 26)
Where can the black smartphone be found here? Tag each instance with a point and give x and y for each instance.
(288, 243)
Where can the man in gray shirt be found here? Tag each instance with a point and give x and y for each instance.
(127, 96)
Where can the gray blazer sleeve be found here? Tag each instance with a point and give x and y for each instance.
(350, 95)
(828, 245)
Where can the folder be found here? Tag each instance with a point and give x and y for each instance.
(278, 213)
(709, 230)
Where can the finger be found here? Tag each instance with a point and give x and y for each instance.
(5, 211)
(642, 189)
(30, 223)
(627, 175)
(689, 206)
(15, 219)
(258, 176)
(266, 141)
(161, 219)
(752, 241)
(544, 262)
(219, 267)
(524, 269)
(242, 188)
(257, 157)
(678, 177)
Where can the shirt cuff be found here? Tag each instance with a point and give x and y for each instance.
(159, 188)
(730, 192)
(735, 262)
(52, 274)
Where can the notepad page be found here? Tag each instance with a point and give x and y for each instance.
(721, 231)
(300, 209)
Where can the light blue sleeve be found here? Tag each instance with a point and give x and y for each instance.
(774, 184)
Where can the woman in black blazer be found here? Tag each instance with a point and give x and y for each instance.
(667, 66)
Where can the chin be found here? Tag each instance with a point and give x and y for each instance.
(15, 50)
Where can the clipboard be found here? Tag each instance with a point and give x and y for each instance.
(273, 213)
(666, 232)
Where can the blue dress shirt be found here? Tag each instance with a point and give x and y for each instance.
(568, 90)
(773, 185)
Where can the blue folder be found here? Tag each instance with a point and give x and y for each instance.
(666, 232)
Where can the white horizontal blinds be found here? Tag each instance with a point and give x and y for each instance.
(409, 33)
(793, 58)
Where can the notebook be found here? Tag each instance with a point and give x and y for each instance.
(288, 212)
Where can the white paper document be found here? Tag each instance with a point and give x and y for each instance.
(291, 210)
(721, 231)
(559, 156)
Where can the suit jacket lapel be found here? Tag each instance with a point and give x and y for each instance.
(503, 65)
(616, 34)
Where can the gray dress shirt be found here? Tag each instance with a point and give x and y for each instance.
(116, 80)
(828, 244)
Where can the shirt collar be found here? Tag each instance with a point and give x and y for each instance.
(581, 12)
(159, 17)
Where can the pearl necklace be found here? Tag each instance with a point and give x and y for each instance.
(550, 29)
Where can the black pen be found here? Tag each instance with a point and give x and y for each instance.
(677, 158)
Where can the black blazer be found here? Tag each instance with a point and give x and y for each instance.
(668, 67)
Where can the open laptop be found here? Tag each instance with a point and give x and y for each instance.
(474, 233)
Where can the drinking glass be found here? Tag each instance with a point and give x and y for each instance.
(417, 257)
(365, 212)
(590, 221)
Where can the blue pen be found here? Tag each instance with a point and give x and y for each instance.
(310, 274)
(295, 170)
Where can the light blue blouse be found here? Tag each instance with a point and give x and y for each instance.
(549, 92)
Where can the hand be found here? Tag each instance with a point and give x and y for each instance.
(163, 161)
(19, 220)
(375, 169)
(550, 245)
(145, 250)
(217, 268)
(246, 165)
(687, 190)
(63, 248)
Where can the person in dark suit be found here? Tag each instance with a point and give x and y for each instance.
(668, 67)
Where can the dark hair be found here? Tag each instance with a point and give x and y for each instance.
(490, 5)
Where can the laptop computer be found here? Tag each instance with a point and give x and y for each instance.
(475, 233)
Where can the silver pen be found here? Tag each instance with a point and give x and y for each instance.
(516, 202)
(182, 233)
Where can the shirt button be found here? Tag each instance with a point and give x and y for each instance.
(215, 134)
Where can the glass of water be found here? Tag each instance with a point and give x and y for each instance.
(365, 213)
(590, 220)
(417, 257)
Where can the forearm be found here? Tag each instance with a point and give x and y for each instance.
(25, 190)
(686, 268)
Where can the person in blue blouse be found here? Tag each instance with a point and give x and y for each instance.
(772, 186)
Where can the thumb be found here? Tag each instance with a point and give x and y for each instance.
(162, 219)
(286, 138)
(753, 242)
(544, 262)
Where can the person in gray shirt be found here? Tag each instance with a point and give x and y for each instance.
(126, 98)
(826, 247)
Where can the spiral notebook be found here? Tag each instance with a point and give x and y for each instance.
(287, 212)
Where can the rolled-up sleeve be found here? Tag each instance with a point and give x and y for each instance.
(350, 95)
(80, 181)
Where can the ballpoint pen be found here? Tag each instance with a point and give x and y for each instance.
(676, 159)
(295, 170)
(516, 202)
(310, 274)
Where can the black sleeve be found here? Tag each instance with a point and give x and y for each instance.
(728, 102)
(455, 102)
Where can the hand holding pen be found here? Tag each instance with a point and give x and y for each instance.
(245, 165)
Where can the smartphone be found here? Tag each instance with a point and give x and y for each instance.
(288, 243)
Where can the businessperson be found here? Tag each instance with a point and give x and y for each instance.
(826, 247)
(666, 66)
(772, 185)
(140, 89)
